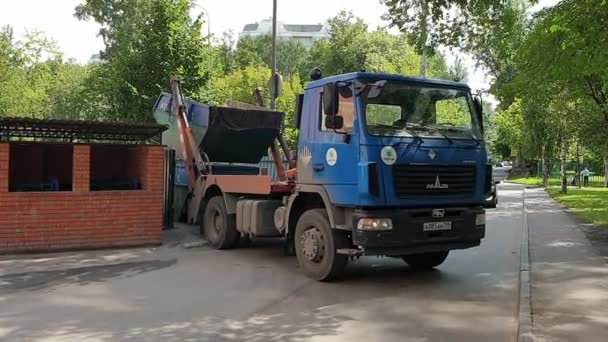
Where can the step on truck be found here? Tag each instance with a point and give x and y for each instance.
(386, 165)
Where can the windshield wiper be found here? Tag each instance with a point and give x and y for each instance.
(435, 130)
(407, 127)
(445, 136)
(470, 134)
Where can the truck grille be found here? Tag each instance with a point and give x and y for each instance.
(433, 180)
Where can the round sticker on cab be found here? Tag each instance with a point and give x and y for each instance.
(388, 155)
(331, 157)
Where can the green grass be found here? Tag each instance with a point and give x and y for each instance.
(553, 181)
(524, 180)
(516, 177)
(590, 204)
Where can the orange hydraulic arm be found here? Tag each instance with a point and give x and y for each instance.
(192, 158)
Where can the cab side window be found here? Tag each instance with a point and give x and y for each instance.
(346, 110)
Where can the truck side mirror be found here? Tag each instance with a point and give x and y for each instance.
(334, 122)
(298, 111)
(330, 99)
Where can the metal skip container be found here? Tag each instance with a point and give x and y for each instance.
(223, 134)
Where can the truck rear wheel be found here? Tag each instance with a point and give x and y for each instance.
(316, 246)
(425, 261)
(220, 228)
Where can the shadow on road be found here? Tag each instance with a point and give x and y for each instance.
(40, 280)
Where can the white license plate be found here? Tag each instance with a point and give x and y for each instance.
(433, 226)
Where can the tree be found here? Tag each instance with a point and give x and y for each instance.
(246, 54)
(345, 50)
(510, 129)
(431, 23)
(146, 42)
(458, 71)
(351, 47)
(34, 79)
(226, 55)
(565, 50)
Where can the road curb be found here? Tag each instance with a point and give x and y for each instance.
(524, 328)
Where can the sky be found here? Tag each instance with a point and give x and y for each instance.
(79, 39)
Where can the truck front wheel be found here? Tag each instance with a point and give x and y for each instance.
(425, 261)
(316, 246)
(220, 228)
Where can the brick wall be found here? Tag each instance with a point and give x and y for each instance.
(41, 221)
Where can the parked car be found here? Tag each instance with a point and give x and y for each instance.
(501, 171)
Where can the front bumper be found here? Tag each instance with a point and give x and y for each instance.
(408, 236)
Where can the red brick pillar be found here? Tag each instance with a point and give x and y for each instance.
(4, 152)
(81, 171)
(154, 167)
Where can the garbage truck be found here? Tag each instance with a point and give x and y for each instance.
(385, 165)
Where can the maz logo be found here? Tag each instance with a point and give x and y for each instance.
(437, 184)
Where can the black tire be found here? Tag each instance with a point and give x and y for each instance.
(330, 264)
(289, 246)
(220, 228)
(425, 261)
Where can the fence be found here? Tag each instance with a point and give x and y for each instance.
(573, 168)
(268, 163)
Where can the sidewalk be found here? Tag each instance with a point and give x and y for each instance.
(569, 278)
(174, 241)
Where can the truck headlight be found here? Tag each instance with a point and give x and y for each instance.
(375, 224)
(480, 219)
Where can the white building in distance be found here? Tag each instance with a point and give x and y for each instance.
(306, 34)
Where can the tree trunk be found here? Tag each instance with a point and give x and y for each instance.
(547, 173)
(577, 176)
(564, 178)
(424, 36)
(606, 172)
(543, 165)
(423, 63)
(522, 163)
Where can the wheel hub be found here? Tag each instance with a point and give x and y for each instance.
(313, 244)
(218, 222)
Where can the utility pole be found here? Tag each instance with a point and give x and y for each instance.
(273, 77)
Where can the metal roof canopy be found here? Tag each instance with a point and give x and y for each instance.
(16, 128)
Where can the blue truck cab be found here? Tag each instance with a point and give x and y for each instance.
(387, 165)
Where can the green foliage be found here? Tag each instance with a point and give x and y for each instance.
(555, 64)
(351, 47)
(257, 51)
(34, 79)
(565, 53)
(146, 42)
(510, 126)
(431, 23)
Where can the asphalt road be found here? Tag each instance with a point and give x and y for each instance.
(256, 294)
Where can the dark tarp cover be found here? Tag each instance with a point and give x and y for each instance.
(240, 135)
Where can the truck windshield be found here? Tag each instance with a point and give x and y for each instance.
(405, 109)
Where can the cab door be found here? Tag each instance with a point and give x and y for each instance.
(336, 151)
